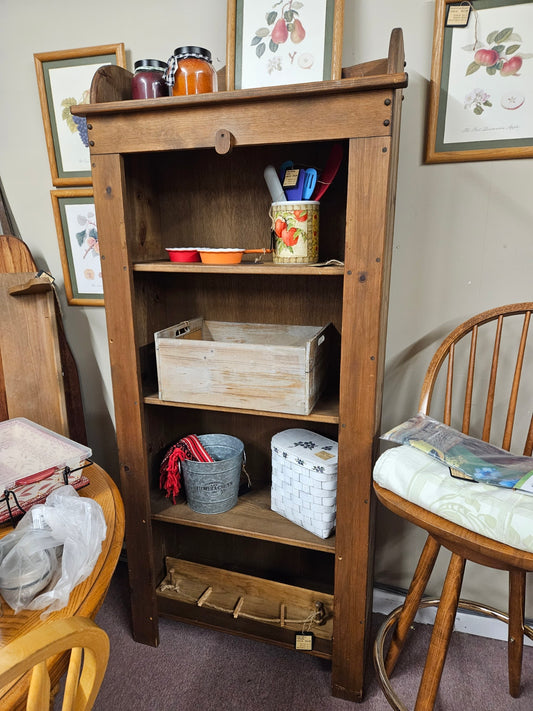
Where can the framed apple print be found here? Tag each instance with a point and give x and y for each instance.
(481, 90)
(273, 42)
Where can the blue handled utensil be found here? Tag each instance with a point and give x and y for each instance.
(310, 179)
(295, 192)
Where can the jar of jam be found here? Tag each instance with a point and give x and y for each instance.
(190, 71)
(147, 81)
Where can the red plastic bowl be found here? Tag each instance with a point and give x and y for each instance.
(183, 254)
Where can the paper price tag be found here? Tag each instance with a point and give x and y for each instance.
(458, 15)
(290, 179)
(304, 642)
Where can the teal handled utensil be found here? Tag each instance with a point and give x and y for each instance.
(310, 179)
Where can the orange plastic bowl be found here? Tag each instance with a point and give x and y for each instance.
(221, 256)
(183, 254)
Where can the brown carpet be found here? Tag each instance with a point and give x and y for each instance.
(195, 669)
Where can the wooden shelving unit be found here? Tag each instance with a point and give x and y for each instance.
(162, 180)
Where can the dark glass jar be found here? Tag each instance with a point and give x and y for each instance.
(147, 81)
(191, 71)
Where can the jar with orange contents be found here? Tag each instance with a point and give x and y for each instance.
(190, 71)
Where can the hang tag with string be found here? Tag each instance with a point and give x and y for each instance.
(458, 15)
(304, 640)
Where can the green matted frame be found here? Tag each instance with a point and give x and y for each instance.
(77, 234)
(330, 39)
(63, 136)
(509, 42)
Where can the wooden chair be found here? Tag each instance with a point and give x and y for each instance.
(478, 358)
(89, 647)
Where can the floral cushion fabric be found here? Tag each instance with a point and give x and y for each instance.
(504, 515)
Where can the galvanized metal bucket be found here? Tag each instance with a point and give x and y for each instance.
(213, 487)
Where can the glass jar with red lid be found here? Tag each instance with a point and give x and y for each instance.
(147, 81)
(190, 71)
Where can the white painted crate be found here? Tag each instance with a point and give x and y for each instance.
(257, 366)
(304, 479)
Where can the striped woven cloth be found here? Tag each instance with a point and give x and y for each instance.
(188, 447)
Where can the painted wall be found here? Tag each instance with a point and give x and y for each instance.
(463, 231)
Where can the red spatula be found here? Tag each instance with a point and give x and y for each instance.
(329, 172)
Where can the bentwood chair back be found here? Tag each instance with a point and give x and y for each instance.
(480, 381)
(29, 653)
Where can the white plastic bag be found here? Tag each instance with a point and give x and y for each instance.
(54, 547)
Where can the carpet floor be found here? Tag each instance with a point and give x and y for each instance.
(196, 669)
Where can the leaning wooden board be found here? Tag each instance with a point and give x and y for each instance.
(31, 361)
(15, 256)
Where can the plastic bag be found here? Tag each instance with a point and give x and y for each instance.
(54, 547)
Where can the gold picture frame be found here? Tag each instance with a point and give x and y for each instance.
(79, 247)
(482, 64)
(63, 79)
(309, 33)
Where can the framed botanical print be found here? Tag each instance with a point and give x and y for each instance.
(481, 91)
(273, 43)
(79, 246)
(64, 78)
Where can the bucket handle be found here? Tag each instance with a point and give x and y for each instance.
(243, 471)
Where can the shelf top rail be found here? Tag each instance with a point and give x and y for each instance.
(111, 87)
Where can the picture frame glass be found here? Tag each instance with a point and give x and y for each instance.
(67, 83)
(279, 43)
(80, 234)
(486, 97)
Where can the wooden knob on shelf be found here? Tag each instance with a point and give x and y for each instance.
(224, 141)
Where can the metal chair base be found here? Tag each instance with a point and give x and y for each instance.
(389, 622)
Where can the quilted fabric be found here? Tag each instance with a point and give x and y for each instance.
(501, 514)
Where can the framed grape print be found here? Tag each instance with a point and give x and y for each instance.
(64, 78)
(271, 43)
(481, 89)
(79, 247)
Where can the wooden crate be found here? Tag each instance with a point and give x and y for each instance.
(268, 367)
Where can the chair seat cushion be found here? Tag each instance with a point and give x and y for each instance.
(505, 515)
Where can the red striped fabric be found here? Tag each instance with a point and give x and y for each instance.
(188, 447)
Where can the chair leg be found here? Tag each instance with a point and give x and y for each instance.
(515, 647)
(442, 630)
(420, 579)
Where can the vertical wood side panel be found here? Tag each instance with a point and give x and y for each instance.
(370, 214)
(112, 219)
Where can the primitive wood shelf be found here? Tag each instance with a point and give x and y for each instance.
(163, 177)
(252, 517)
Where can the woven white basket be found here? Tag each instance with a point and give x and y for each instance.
(304, 480)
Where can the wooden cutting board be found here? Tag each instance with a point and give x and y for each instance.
(31, 360)
(16, 258)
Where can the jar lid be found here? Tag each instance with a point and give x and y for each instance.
(156, 63)
(191, 51)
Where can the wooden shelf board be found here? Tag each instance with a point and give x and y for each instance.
(326, 410)
(243, 268)
(251, 517)
(394, 80)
